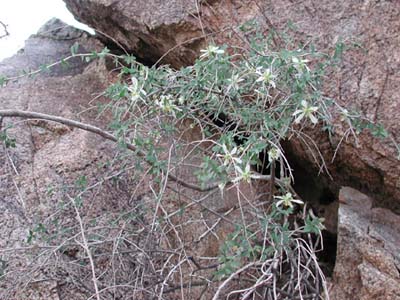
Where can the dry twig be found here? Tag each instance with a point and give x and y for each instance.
(6, 33)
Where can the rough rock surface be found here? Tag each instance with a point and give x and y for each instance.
(367, 81)
(368, 260)
(155, 28)
(48, 156)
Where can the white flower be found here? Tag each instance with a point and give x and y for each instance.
(181, 100)
(229, 156)
(244, 175)
(167, 105)
(211, 51)
(300, 64)
(135, 90)
(273, 154)
(135, 82)
(287, 200)
(306, 111)
(250, 68)
(266, 77)
(344, 115)
(234, 82)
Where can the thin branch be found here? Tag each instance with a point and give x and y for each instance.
(230, 278)
(6, 33)
(98, 131)
(90, 128)
(85, 246)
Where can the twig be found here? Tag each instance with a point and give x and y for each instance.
(112, 39)
(204, 206)
(230, 278)
(272, 182)
(164, 283)
(98, 131)
(186, 285)
(64, 60)
(188, 42)
(85, 246)
(76, 124)
(6, 33)
(278, 42)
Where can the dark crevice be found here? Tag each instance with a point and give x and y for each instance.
(320, 193)
(327, 257)
(222, 121)
(116, 49)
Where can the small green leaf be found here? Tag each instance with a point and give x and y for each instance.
(81, 182)
(74, 48)
(103, 52)
(379, 130)
(3, 80)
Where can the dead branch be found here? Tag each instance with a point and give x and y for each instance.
(84, 244)
(90, 128)
(100, 132)
(6, 33)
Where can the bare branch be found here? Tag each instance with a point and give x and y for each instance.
(6, 33)
(86, 247)
(98, 131)
(109, 136)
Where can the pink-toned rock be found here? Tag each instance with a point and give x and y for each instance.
(368, 80)
(48, 156)
(368, 261)
(152, 29)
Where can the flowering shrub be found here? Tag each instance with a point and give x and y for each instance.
(245, 103)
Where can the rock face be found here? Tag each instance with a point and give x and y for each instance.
(47, 157)
(367, 81)
(368, 260)
(155, 28)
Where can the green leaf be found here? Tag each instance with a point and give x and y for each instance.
(31, 236)
(129, 59)
(103, 52)
(379, 131)
(8, 142)
(313, 225)
(74, 48)
(3, 80)
(81, 182)
(339, 48)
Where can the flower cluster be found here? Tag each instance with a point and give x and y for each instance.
(135, 90)
(167, 104)
(211, 51)
(287, 200)
(306, 111)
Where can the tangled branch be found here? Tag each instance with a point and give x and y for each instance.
(243, 110)
(109, 136)
(100, 132)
